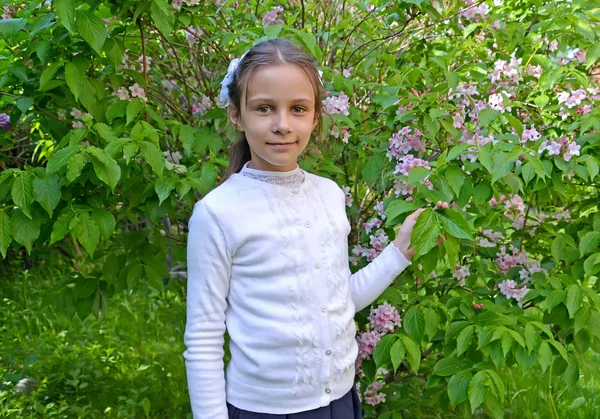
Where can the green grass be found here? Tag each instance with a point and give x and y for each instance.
(130, 363)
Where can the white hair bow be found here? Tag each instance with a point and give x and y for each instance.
(224, 95)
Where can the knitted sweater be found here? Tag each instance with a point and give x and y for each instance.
(269, 263)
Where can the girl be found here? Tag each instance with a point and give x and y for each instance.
(268, 259)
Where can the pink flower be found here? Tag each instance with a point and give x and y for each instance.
(535, 71)
(496, 102)
(76, 113)
(530, 134)
(272, 17)
(346, 72)
(461, 273)
(372, 397)
(123, 94)
(348, 196)
(148, 62)
(337, 104)
(572, 150)
(508, 287)
(553, 46)
(493, 202)
(346, 134)
(384, 318)
(367, 342)
(138, 91)
(177, 4)
(580, 56)
(374, 223)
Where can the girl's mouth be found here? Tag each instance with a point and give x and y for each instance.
(282, 145)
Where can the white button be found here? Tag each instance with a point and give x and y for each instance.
(295, 191)
(328, 352)
(324, 309)
(327, 390)
(307, 224)
(317, 265)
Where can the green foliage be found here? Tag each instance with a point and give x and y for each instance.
(114, 135)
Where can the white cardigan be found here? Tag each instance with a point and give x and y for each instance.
(270, 263)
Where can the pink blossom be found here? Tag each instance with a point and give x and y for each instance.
(192, 34)
(553, 46)
(408, 162)
(177, 4)
(346, 134)
(572, 150)
(508, 287)
(493, 202)
(384, 318)
(367, 342)
(123, 94)
(191, 3)
(374, 223)
(205, 105)
(477, 306)
(137, 91)
(530, 134)
(272, 17)
(380, 211)
(506, 261)
(496, 102)
(372, 397)
(461, 273)
(580, 56)
(148, 62)
(76, 113)
(583, 110)
(346, 72)
(337, 104)
(535, 71)
(347, 195)
(458, 120)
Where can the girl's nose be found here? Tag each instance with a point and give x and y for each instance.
(282, 124)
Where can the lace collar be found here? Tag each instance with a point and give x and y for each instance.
(291, 179)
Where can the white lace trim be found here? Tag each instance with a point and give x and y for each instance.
(292, 179)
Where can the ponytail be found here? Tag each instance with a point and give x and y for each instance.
(239, 154)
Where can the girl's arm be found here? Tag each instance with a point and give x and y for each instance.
(369, 282)
(209, 270)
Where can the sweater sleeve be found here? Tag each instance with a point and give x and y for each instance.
(209, 271)
(369, 282)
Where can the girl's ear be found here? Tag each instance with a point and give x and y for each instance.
(234, 117)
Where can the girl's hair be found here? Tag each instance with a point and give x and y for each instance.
(275, 51)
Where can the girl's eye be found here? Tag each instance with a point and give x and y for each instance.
(298, 109)
(262, 109)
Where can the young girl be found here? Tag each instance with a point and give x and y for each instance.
(268, 259)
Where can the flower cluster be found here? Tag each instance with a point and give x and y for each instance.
(337, 104)
(347, 195)
(475, 140)
(511, 289)
(530, 134)
(405, 141)
(193, 34)
(474, 13)
(5, 122)
(384, 318)
(490, 239)
(461, 273)
(567, 148)
(372, 395)
(203, 106)
(272, 17)
(514, 210)
(335, 132)
(79, 118)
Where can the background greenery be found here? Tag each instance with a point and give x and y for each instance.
(110, 133)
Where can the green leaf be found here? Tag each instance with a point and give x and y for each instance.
(425, 233)
(478, 390)
(486, 158)
(48, 74)
(397, 353)
(592, 167)
(163, 17)
(86, 231)
(381, 354)
(373, 170)
(561, 349)
(134, 108)
(153, 156)
(60, 159)
(555, 298)
(516, 124)
(432, 322)
(75, 166)
(106, 168)
(105, 131)
(105, 221)
(417, 174)
(498, 385)
(74, 79)
(61, 226)
(398, 207)
(164, 186)
(92, 29)
(47, 192)
(455, 178)
(65, 10)
(22, 192)
(414, 323)
(116, 110)
(25, 230)
(10, 27)
(532, 338)
(413, 353)
(454, 224)
(544, 356)
(5, 232)
(574, 299)
(464, 339)
(446, 367)
(589, 242)
(486, 116)
(458, 387)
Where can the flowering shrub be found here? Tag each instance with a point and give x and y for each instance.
(491, 106)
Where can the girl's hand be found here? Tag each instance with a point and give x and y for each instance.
(402, 240)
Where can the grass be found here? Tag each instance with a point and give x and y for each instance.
(130, 364)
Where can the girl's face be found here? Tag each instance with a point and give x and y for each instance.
(277, 116)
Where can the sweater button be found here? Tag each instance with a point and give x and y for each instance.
(317, 265)
(307, 224)
(295, 191)
(327, 390)
(324, 309)
(328, 352)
